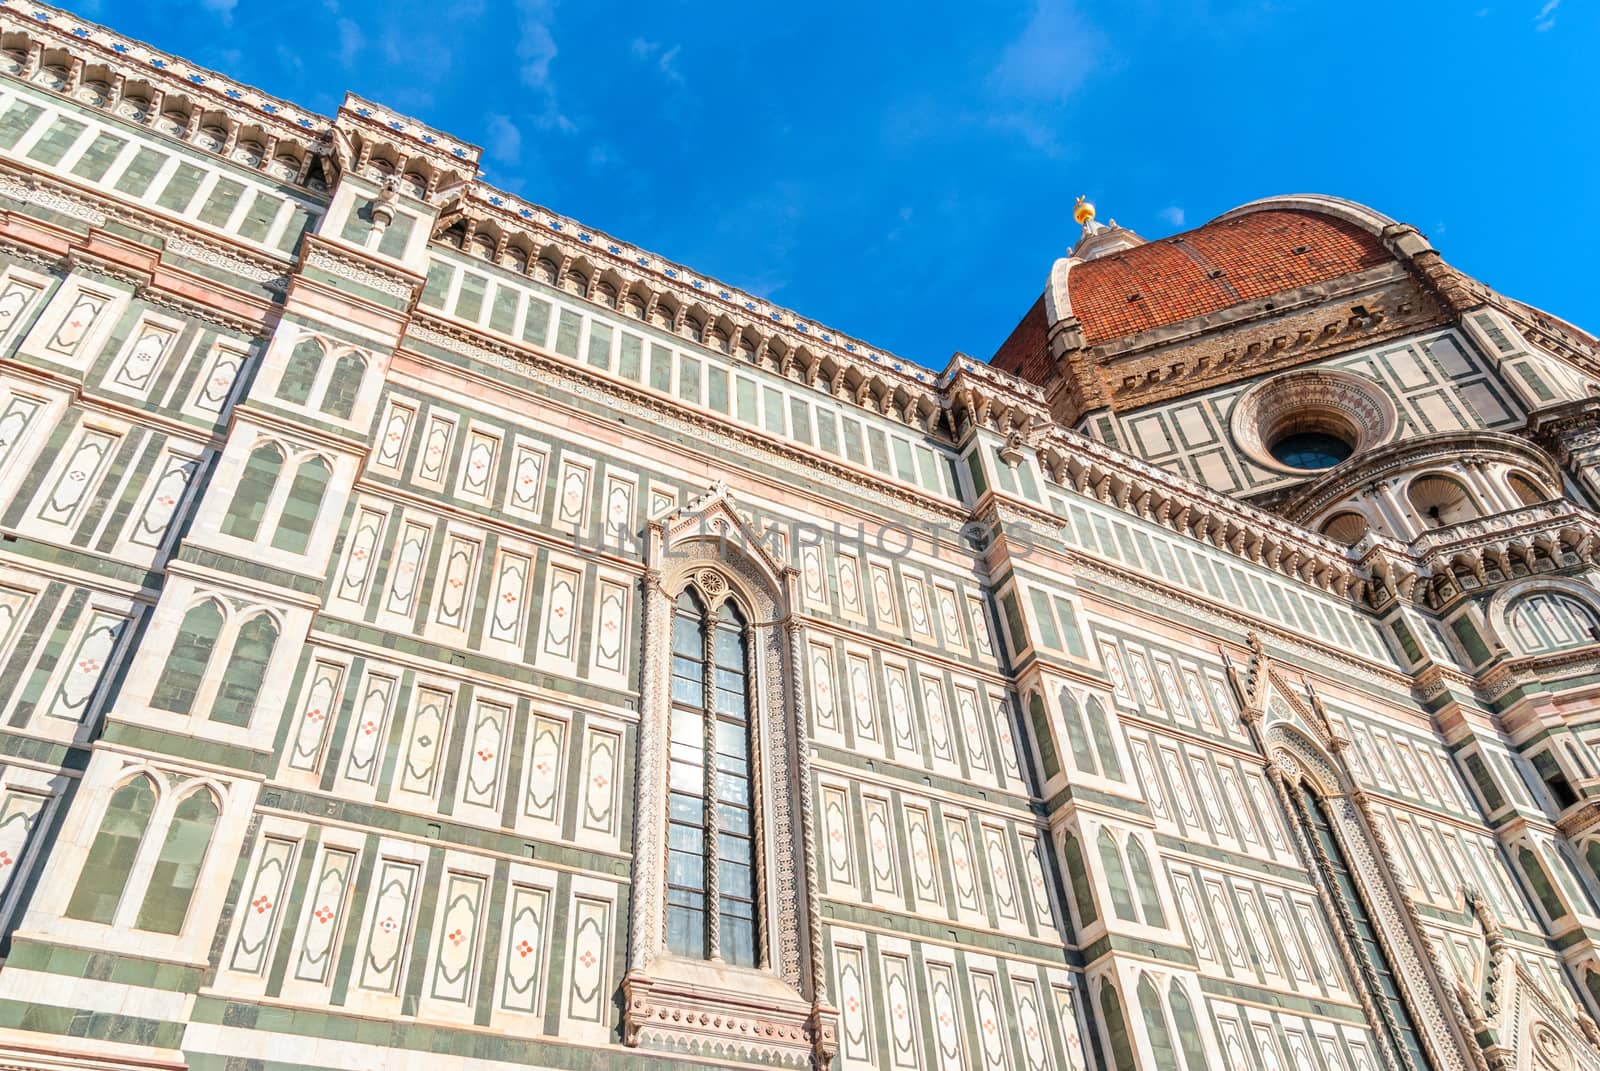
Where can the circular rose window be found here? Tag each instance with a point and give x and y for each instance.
(1306, 422)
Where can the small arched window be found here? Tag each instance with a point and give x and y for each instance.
(1116, 878)
(300, 372)
(1100, 727)
(711, 844)
(253, 492)
(186, 664)
(177, 870)
(1526, 491)
(1078, 878)
(1144, 882)
(1077, 733)
(1049, 761)
(339, 398)
(1348, 527)
(1441, 500)
(247, 668)
(301, 507)
(109, 864)
(1539, 878)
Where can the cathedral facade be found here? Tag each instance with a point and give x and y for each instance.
(436, 634)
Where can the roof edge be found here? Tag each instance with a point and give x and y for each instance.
(1369, 219)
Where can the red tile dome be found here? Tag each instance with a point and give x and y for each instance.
(1241, 257)
(1226, 262)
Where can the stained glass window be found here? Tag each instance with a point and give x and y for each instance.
(711, 844)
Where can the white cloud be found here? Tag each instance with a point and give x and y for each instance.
(505, 140)
(223, 9)
(536, 51)
(536, 45)
(1173, 215)
(351, 41)
(1546, 18)
(1038, 73)
(1052, 56)
(664, 58)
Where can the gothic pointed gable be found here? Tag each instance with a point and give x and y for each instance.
(714, 517)
(1530, 1031)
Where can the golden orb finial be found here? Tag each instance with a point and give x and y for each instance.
(1083, 211)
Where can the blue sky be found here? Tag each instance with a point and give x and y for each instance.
(905, 171)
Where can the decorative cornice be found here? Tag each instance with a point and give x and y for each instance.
(569, 375)
(134, 82)
(1101, 472)
(541, 228)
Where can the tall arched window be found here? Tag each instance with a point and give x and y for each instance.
(301, 507)
(109, 864)
(247, 668)
(339, 396)
(1116, 1029)
(252, 493)
(300, 372)
(1194, 1053)
(1375, 965)
(1162, 1050)
(191, 653)
(711, 845)
(177, 871)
